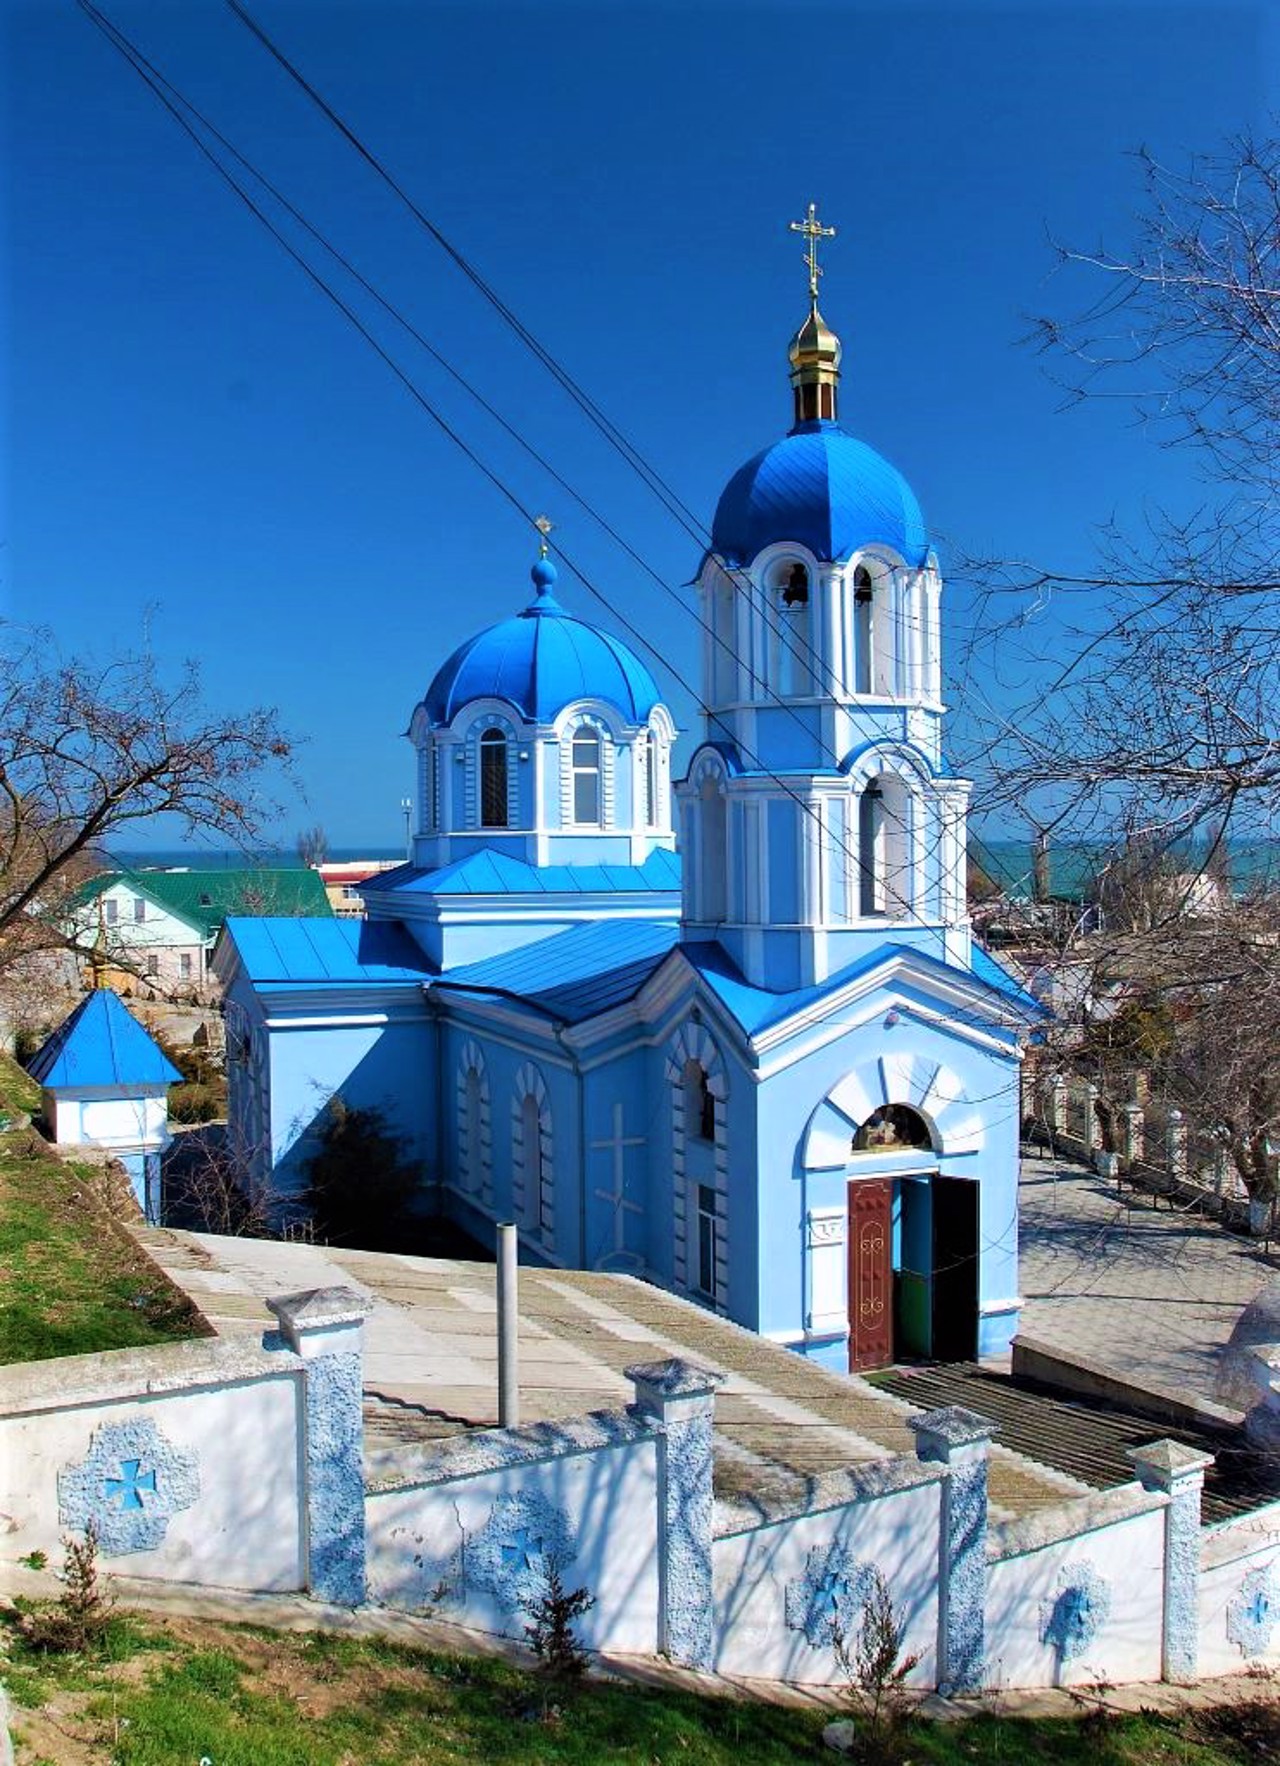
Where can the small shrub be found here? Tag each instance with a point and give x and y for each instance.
(875, 1669)
(194, 1101)
(77, 1621)
(552, 1638)
(360, 1181)
(35, 1560)
(28, 1040)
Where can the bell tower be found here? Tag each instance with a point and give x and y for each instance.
(818, 819)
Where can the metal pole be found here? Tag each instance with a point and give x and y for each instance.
(508, 1323)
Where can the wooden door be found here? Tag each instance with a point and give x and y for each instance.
(870, 1273)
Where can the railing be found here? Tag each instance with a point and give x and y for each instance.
(1148, 1144)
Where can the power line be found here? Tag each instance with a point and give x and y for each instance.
(786, 634)
(631, 454)
(177, 104)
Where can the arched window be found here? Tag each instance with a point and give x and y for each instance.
(893, 1128)
(885, 842)
(537, 1177)
(795, 590)
(493, 779)
(585, 764)
(789, 637)
(699, 1104)
(651, 782)
(474, 1128)
(532, 1179)
(863, 632)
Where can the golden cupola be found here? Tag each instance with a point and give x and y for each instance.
(815, 349)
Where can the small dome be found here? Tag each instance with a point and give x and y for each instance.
(541, 661)
(815, 342)
(822, 489)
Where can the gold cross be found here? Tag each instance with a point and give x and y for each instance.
(813, 232)
(544, 525)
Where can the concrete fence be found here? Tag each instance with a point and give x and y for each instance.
(1153, 1146)
(229, 1465)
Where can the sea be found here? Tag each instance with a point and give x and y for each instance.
(205, 858)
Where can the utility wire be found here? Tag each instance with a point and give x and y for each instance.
(691, 523)
(176, 105)
(790, 640)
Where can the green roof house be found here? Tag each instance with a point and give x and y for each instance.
(161, 925)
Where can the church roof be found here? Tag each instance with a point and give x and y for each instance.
(574, 975)
(494, 873)
(332, 952)
(101, 1043)
(823, 489)
(755, 1008)
(541, 661)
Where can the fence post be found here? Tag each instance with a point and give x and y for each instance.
(1179, 1472)
(681, 1396)
(959, 1440)
(325, 1326)
(1177, 1145)
(1134, 1122)
(1057, 1110)
(1092, 1121)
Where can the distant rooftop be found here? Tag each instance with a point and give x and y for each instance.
(206, 898)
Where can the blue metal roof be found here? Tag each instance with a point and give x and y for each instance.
(541, 661)
(987, 968)
(577, 974)
(494, 873)
(823, 489)
(755, 1009)
(101, 1043)
(327, 953)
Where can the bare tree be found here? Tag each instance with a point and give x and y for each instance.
(313, 845)
(1166, 703)
(87, 751)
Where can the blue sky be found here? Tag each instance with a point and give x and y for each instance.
(201, 449)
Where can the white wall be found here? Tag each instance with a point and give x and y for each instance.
(242, 1530)
(1229, 1554)
(1129, 1556)
(418, 1536)
(752, 1570)
(111, 1117)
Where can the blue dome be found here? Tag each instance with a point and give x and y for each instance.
(541, 661)
(823, 489)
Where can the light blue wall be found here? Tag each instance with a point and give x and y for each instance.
(786, 1101)
(390, 1067)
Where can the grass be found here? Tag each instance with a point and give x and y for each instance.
(70, 1281)
(18, 1091)
(242, 1697)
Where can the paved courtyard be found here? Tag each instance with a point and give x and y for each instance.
(1151, 1292)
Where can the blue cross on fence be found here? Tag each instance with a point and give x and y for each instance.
(131, 1484)
(830, 1594)
(1258, 1611)
(522, 1548)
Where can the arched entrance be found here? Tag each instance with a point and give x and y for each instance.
(912, 1246)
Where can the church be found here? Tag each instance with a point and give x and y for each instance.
(728, 1033)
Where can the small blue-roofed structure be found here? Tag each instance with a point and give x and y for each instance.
(106, 1084)
(772, 1071)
